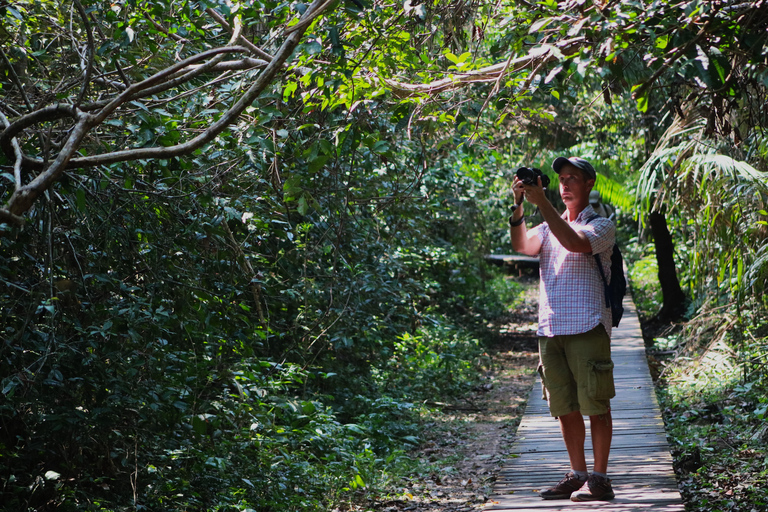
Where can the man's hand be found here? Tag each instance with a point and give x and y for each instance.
(533, 193)
(518, 189)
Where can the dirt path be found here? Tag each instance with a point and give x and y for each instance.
(471, 438)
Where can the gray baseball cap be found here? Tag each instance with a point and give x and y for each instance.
(577, 162)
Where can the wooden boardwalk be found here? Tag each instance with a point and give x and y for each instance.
(640, 464)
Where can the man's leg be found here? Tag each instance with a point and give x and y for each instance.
(598, 487)
(574, 435)
(601, 428)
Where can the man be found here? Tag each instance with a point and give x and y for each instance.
(574, 322)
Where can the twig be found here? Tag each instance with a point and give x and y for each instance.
(164, 30)
(664, 67)
(241, 39)
(90, 52)
(15, 79)
(118, 68)
(309, 19)
(247, 268)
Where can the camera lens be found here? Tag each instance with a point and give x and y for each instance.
(526, 175)
(530, 176)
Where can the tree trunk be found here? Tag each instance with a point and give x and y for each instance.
(673, 305)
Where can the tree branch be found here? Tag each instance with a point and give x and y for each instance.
(118, 67)
(134, 89)
(9, 218)
(235, 65)
(60, 111)
(668, 63)
(50, 113)
(486, 74)
(178, 78)
(17, 152)
(24, 197)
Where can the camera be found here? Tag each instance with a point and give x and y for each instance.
(528, 176)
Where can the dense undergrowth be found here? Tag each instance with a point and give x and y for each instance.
(712, 385)
(150, 384)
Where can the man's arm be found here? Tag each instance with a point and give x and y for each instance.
(569, 238)
(522, 241)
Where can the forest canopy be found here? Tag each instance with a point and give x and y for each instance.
(247, 238)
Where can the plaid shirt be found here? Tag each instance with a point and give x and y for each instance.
(571, 291)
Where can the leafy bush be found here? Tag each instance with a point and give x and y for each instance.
(646, 291)
(715, 409)
(436, 361)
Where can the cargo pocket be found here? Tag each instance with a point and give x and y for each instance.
(601, 385)
(540, 369)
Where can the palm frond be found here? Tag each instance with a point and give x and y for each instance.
(735, 169)
(614, 193)
(757, 273)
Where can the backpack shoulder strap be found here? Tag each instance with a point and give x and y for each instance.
(602, 272)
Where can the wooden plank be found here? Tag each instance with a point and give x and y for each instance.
(640, 464)
(512, 258)
(511, 262)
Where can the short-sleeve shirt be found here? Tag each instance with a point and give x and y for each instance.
(571, 291)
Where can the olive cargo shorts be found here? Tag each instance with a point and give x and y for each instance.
(577, 372)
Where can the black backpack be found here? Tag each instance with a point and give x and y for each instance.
(617, 288)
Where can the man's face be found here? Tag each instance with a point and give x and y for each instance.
(574, 187)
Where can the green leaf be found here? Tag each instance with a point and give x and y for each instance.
(312, 48)
(15, 13)
(199, 425)
(80, 199)
(302, 206)
(9, 387)
(380, 147)
(642, 102)
(317, 163)
(540, 24)
(354, 428)
(289, 90)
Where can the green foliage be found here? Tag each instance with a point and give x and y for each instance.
(217, 330)
(436, 361)
(646, 292)
(715, 418)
